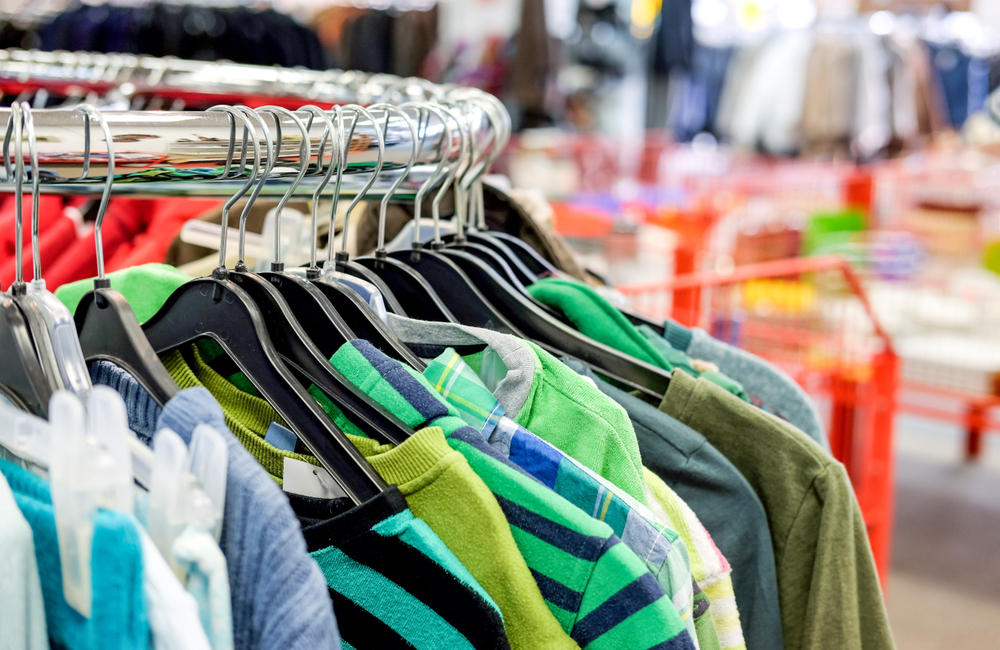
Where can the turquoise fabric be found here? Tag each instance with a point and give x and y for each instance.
(118, 618)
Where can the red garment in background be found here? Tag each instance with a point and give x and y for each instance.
(135, 231)
(57, 232)
(167, 220)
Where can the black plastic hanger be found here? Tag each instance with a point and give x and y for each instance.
(454, 287)
(283, 324)
(542, 327)
(218, 308)
(22, 379)
(299, 285)
(416, 295)
(105, 323)
(40, 335)
(537, 264)
(524, 275)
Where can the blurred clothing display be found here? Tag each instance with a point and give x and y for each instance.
(189, 31)
(377, 40)
(834, 90)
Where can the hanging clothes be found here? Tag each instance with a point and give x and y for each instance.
(819, 538)
(726, 505)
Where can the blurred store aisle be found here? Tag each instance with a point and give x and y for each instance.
(945, 585)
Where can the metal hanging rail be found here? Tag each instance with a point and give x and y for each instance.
(187, 153)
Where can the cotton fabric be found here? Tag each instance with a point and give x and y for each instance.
(761, 378)
(828, 587)
(723, 500)
(596, 587)
(395, 583)
(173, 612)
(543, 396)
(708, 565)
(22, 610)
(660, 548)
(118, 616)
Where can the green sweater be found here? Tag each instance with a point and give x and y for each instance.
(146, 288)
(595, 317)
(828, 589)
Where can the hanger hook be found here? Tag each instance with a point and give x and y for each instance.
(305, 159)
(248, 129)
(476, 170)
(437, 244)
(384, 205)
(101, 282)
(272, 158)
(465, 164)
(330, 131)
(444, 153)
(342, 255)
(18, 287)
(29, 128)
(343, 139)
(500, 123)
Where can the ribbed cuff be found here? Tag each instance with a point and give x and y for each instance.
(415, 457)
(678, 395)
(678, 336)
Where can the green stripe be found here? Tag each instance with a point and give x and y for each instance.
(410, 618)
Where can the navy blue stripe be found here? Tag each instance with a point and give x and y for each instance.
(640, 593)
(428, 405)
(680, 642)
(557, 593)
(476, 440)
(563, 538)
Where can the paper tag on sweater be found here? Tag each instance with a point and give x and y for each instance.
(308, 480)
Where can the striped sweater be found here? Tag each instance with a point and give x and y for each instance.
(595, 586)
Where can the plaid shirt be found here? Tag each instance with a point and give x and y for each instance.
(663, 552)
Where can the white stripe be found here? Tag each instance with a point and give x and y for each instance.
(731, 638)
(723, 606)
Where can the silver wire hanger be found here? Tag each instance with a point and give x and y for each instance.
(105, 323)
(417, 295)
(58, 319)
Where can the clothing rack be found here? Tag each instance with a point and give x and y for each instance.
(253, 85)
(186, 153)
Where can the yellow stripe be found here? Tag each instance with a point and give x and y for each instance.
(607, 502)
(447, 369)
(472, 407)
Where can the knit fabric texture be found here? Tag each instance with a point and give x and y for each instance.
(658, 546)
(593, 316)
(395, 584)
(146, 287)
(442, 489)
(723, 500)
(542, 395)
(247, 416)
(708, 565)
(827, 583)
(764, 380)
(22, 609)
(143, 411)
(118, 616)
(594, 585)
